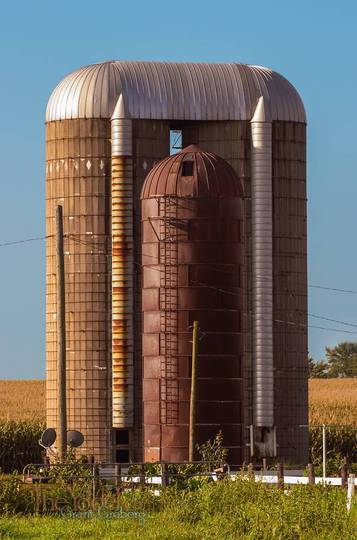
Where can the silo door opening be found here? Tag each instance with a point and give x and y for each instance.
(263, 442)
(122, 445)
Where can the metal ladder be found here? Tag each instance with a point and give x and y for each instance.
(169, 309)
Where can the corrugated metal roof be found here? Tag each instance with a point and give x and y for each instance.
(175, 91)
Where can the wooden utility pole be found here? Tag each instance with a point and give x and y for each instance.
(192, 427)
(61, 338)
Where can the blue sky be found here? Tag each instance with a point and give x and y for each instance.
(312, 43)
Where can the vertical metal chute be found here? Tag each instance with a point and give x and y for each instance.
(262, 255)
(122, 268)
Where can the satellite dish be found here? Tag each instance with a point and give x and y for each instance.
(48, 437)
(74, 438)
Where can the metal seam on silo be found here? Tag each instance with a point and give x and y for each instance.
(189, 92)
(122, 269)
(262, 259)
(201, 96)
(75, 91)
(105, 92)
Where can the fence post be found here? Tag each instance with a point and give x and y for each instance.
(323, 451)
(280, 471)
(142, 476)
(350, 491)
(118, 479)
(95, 474)
(344, 475)
(264, 465)
(311, 473)
(251, 471)
(164, 476)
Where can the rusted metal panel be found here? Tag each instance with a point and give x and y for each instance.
(151, 145)
(199, 206)
(122, 291)
(175, 91)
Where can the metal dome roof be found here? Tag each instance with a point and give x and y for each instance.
(209, 176)
(174, 90)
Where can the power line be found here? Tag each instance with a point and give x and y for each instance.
(315, 326)
(350, 291)
(26, 240)
(332, 320)
(291, 323)
(92, 243)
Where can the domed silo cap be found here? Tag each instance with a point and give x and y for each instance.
(193, 173)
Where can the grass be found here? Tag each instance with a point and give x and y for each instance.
(22, 400)
(228, 509)
(333, 401)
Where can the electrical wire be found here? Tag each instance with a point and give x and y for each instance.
(88, 242)
(92, 243)
(15, 242)
(332, 320)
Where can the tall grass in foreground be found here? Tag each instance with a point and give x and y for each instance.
(227, 509)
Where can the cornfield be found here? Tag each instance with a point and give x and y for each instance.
(19, 443)
(22, 400)
(333, 401)
(22, 411)
(22, 420)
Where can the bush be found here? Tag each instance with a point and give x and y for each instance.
(245, 509)
(13, 498)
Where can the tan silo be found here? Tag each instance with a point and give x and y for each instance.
(78, 155)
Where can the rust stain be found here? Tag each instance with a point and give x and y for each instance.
(122, 291)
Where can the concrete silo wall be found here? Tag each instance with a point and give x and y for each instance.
(78, 178)
(290, 290)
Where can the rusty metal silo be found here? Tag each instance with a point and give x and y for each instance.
(192, 253)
